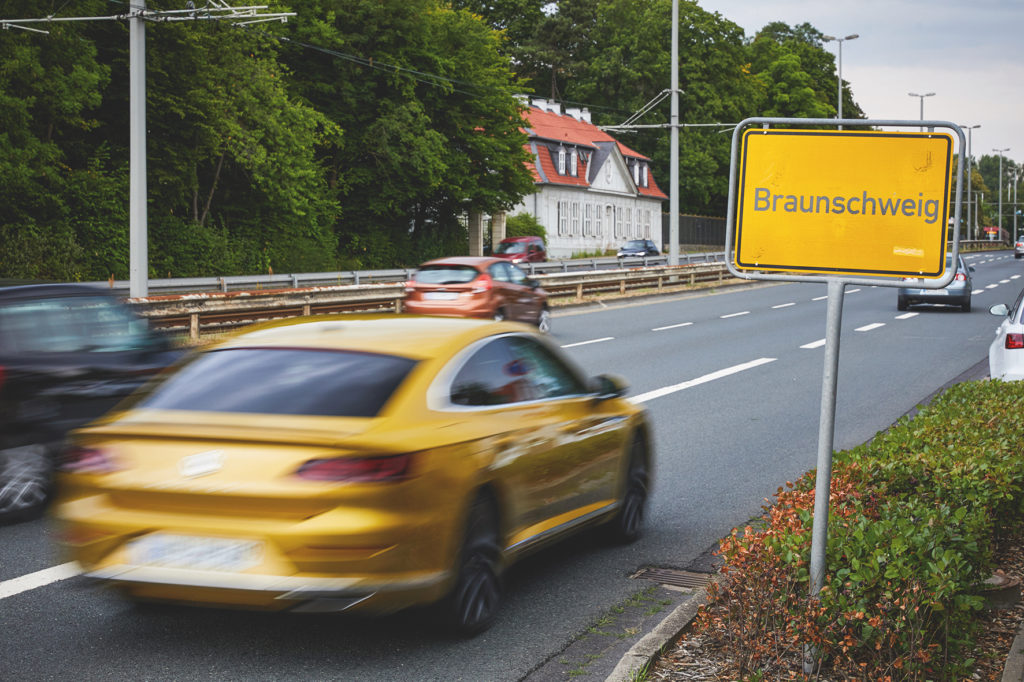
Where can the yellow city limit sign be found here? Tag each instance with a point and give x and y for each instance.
(843, 202)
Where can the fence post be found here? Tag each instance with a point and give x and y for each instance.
(305, 309)
(193, 326)
(579, 291)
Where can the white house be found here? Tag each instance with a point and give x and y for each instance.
(593, 192)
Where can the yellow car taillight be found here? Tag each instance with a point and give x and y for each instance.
(389, 469)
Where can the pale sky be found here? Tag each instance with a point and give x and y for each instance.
(965, 51)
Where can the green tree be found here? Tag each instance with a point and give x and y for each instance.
(431, 125)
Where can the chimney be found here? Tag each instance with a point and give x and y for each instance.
(554, 107)
(585, 115)
(539, 103)
(575, 112)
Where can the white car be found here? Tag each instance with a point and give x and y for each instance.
(1006, 354)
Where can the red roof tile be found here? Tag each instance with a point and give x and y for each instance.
(545, 125)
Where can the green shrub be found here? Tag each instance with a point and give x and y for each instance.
(524, 225)
(914, 516)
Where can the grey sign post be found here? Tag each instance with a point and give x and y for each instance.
(837, 278)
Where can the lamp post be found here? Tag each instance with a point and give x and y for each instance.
(970, 225)
(839, 86)
(1000, 183)
(927, 94)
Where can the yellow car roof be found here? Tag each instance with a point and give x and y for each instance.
(410, 336)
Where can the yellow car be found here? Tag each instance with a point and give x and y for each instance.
(357, 463)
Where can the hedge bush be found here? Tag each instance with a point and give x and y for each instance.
(914, 517)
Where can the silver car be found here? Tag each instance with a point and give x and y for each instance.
(1018, 248)
(957, 292)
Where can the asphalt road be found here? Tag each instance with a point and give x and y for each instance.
(733, 381)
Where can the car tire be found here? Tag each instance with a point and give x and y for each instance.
(499, 315)
(544, 321)
(966, 306)
(26, 482)
(901, 303)
(627, 525)
(473, 603)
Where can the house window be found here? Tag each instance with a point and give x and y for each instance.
(575, 217)
(588, 220)
(563, 217)
(636, 173)
(629, 222)
(597, 220)
(561, 160)
(643, 175)
(618, 223)
(647, 224)
(609, 214)
(574, 165)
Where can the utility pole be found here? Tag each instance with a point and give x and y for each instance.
(971, 232)
(673, 197)
(213, 10)
(1000, 183)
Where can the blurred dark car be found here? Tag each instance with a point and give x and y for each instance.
(68, 353)
(956, 293)
(468, 286)
(522, 250)
(639, 248)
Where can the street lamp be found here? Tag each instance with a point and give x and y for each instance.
(970, 225)
(1000, 183)
(927, 94)
(839, 87)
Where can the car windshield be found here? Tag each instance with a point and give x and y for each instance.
(446, 274)
(634, 244)
(70, 324)
(294, 381)
(511, 247)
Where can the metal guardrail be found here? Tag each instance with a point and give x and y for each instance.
(218, 311)
(360, 277)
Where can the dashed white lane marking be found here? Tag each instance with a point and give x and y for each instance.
(869, 327)
(31, 581)
(1014, 276)
(782, 305)
(745, 312)
(672, 326)
(853, 291)
(907, 316)
(722, 373)
(584, 343)
(1004, 281)
(814, 344)
(819, 298)
(991, 286)
(978, 291)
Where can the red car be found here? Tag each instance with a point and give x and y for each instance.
(477, 287)
(522, 250)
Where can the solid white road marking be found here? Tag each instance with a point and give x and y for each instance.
(907, 316)
(745, 312)
(31, 581)
(869, 327)
(814, 344)
(584, 343)
(659, 392)
(672, 326)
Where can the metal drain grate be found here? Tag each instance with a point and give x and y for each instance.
(670, 576)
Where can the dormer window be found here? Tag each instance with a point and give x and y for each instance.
(643, 176)
(574, 165)
(561, 160)
(636, 173)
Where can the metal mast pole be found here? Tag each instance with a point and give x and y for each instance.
(673, 200)
(138, 248)
(1000, 183)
